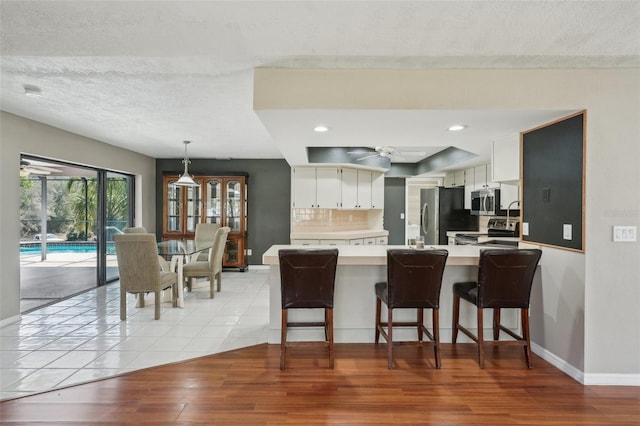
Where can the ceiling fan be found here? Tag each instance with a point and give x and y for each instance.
(388, 152)
(26, 169)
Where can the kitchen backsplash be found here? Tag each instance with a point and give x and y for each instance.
(328, 220)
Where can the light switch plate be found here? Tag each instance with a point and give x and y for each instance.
(525, 228)
(625, 233)
(402, 216)
(567, 231)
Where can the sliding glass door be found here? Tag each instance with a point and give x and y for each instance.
(69, 214)
(118, 215)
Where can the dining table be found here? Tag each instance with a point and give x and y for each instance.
(179, 252)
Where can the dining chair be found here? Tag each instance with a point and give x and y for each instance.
(210, 268)
(164, 264)
(505, 278)
(139, 270)
(414, 279)
(204, 236)
(307, 280)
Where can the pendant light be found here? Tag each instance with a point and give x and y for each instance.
(185, 178)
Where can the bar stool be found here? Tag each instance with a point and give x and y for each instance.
(414, 279)
(505, 278)
(307, 280)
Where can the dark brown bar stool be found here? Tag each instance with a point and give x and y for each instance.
(414, 278)
(505, 278)
(307, 280)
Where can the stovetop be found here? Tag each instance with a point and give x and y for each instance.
(498, 227)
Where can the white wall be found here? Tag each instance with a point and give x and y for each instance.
(590, 317)
(18, 135)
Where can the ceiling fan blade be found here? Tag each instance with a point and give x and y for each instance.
(368, 156)
(410, 153)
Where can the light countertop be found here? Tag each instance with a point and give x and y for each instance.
(377, 255)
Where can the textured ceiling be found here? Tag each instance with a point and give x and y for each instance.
(146, 75)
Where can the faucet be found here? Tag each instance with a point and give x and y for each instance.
(509, 208)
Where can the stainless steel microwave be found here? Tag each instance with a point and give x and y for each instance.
(485, 202)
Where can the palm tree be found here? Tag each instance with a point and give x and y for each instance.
(84, 202)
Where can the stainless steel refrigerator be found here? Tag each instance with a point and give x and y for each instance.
(442, 211)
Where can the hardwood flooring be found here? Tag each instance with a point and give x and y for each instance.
(246, 386)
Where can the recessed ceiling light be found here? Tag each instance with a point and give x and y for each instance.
(32, 91)
(457, 127)
(321, 129)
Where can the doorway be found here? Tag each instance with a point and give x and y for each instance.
(68, 214)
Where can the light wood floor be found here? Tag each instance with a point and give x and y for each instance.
(246, 386)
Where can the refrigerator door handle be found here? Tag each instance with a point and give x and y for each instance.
(425, 218)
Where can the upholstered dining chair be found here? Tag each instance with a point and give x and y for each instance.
(414, 279)
(205, 235)
(135, 230)
(210, 268)
(164, 264)
(505, 278)
(307, 280)
(139, 270)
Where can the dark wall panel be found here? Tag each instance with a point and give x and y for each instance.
(552, 179)
(268, 197)
(394, 202)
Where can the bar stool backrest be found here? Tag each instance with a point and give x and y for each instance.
(414, 277)
(307, 277)
(505, 277)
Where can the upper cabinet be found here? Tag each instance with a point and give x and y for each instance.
(356, 189)
(482, 178)
(316, 187)
(335, 188)
(454, 179)
(505, 159)
(377, 190)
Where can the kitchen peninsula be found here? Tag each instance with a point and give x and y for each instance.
(359, 268)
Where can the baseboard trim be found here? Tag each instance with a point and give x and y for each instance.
(558, 362)
(593, 379)
(598, 379)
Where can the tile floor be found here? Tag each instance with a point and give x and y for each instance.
(82, 338)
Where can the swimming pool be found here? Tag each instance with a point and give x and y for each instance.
(66, 247)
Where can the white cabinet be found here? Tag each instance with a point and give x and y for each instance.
(369, 241)
(356, 242)
(508, 194)
(453, 179)
(316, 187)
(505, 159)
(356, 189)
(334, 242)
(382, 241)
(482, 179)
(377, 190)
(305, 242)
(469, 186)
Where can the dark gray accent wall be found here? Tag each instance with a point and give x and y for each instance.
(268, 197)
(394, 202)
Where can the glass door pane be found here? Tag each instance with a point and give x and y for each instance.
(234, 205)
(194, 200)
(174, 207)
(214, 201)
(118, 208)
(58, 210)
